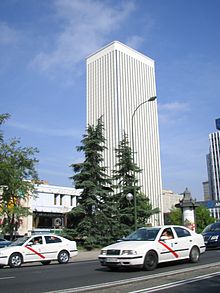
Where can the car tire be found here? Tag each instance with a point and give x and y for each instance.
(63, 257)
(150, 261)
(15, 260)
(46, 262)
(194, 254)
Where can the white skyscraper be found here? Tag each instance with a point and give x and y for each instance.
(214, 165)
(119, 79)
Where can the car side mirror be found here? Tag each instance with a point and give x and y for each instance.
(30, 243)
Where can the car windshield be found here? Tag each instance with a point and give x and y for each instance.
(143, 234)
(19, 241)
(212, 227)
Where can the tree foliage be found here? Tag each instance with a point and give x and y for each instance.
(124, 178)
(202, 217)
(17, 169)
(93, 218)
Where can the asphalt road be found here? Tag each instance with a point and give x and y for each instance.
(37, 278)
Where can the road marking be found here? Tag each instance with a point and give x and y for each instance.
(170, 249)
(6, 278)
(131, 280)
(34, 251)
(175, 284)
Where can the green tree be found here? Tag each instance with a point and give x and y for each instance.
(93, 217)
(17, 169)
(3, 118)
(124, 179)
(202, 217)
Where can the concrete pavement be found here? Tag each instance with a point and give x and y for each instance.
(84, 255)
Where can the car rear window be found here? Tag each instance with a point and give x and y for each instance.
(181, 232)
(52, 239)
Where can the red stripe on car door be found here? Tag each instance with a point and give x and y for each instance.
(34, 251)
(170, 249)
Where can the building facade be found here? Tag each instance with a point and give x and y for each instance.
(119, 80)
(214, 208)
(48, 206)
(213, 165)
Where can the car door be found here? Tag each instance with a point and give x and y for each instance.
(34, 249)
(53, 246)
(184, 241)
(167, 246)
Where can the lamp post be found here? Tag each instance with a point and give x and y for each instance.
(132, 140)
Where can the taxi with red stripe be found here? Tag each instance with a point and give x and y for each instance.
(149, 246)
(42, 247)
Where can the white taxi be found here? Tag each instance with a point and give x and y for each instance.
(149, 246)
(43, 248)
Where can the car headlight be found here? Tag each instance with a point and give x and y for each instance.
(214, 237)
(103, 252)
(129, 252)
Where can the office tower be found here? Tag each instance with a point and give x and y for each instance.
(213, 165)
(119, 79)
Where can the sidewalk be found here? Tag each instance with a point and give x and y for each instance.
(84, 255)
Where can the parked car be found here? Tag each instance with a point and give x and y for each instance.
(4, 242)
(43, 248)
(211, 235)
(149, 246)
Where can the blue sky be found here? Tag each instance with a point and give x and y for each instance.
(43, 46)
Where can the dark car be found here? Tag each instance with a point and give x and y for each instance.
(4, 242)
(211, 235)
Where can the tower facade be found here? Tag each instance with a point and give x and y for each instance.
(214, 165)
(119, 79)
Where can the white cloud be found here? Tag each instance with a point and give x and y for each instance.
(170, 112)
(47, 131)
(7, 35)
(85, 27)
(135, 41)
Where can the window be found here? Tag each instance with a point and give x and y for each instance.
(71, 200)
(61, 200)
(181, 232)
(55, 199)
(52, 239)
(36, 241)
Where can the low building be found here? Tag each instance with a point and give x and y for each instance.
(213, 206)
(48, 206)
(170, 199)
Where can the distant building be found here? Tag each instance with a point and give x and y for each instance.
(48, 207)
(119, 80)
(206, 190)
(213, 164)
(217, 123)
(213, 206)
(170, 199)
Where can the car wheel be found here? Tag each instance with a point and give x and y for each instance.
(46, 262)
(194, 254)
(15, 260)
(63, 257)
(150, 261)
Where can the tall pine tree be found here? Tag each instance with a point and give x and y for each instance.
(124, 183)
(93, 217)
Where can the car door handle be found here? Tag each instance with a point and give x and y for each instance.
(190, 240)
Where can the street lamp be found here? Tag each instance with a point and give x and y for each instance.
(151, 99)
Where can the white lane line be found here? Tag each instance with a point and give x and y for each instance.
(130, 280)
(6, 278)
(175, 284)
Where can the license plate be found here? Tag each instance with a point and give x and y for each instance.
(111, 259)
